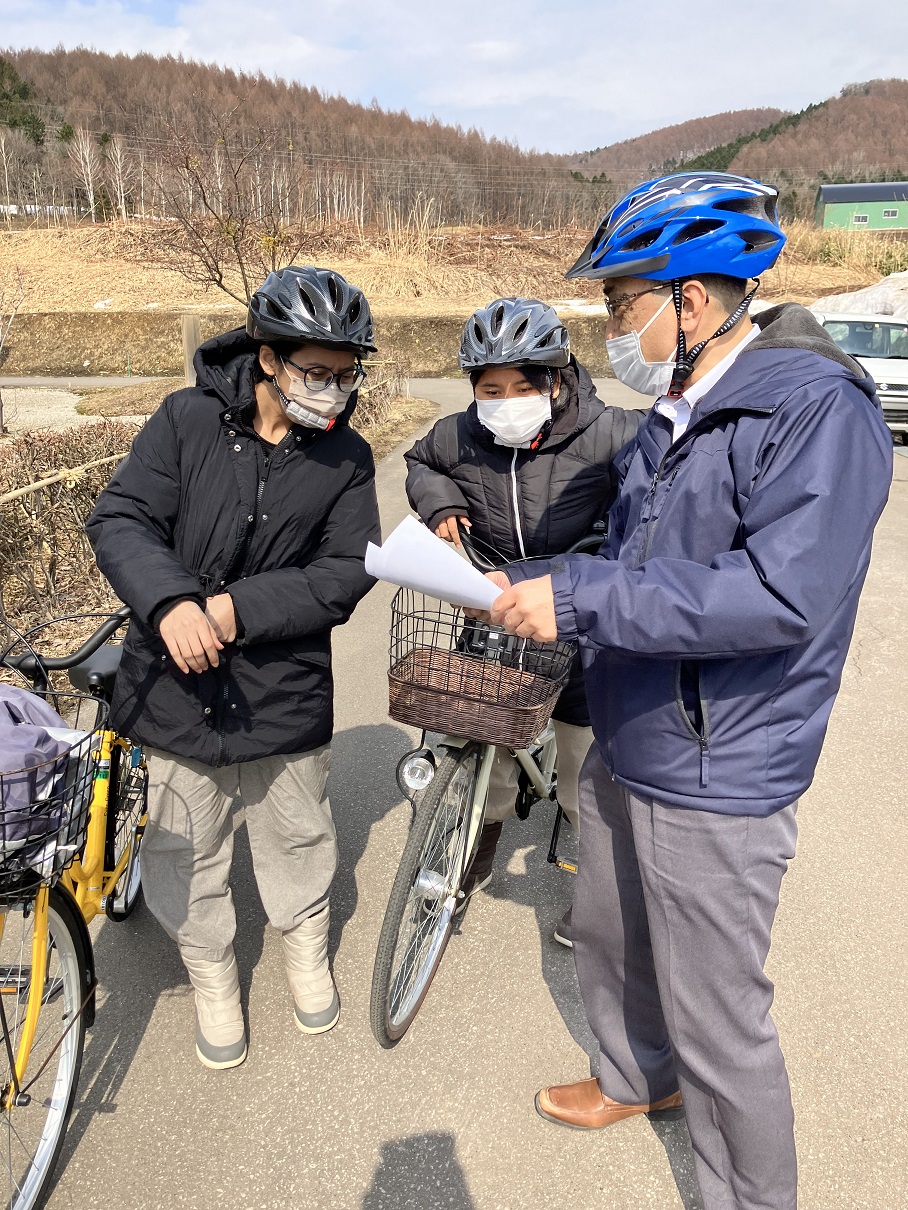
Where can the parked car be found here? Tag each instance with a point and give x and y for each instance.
(880, 344)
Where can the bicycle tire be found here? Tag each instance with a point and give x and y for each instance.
(125, 810)
(33, 1134)
(436, 837)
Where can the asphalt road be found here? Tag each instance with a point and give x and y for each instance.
(446, 1120)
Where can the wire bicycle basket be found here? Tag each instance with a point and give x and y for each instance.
(44, 804)
(452, 674)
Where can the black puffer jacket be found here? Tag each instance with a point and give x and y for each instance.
(201, 506)
(527, 503)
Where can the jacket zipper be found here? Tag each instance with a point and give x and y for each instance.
(701, 738)
(224, 701)
(514, 497)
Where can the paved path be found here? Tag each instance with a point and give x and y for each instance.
(446, 1120)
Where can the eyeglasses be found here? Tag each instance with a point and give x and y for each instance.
(318, 378)
(614, 305)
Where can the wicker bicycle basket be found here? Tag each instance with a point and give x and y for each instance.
(44, 807)
(454, 675)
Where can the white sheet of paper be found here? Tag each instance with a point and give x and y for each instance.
(412, 557)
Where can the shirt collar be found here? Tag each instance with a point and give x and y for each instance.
(695, 392)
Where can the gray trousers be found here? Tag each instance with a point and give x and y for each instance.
(673, 913)
(188, 844)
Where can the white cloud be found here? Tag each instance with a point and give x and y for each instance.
(585, 74)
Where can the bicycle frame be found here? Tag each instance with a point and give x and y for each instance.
(88, 882)
(86, 878)
(538, 762)
(35, 993)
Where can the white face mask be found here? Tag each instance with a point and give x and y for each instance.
(315, 409)
(627, 360)
(515, 422)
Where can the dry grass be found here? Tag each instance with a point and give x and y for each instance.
(816, 262)
(415, 263)
(46, 564)
(412, 265)
(139, 400)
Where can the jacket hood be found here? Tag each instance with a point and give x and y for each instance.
(791, 326)
(224, 365)
(789, 343)
(576, 408)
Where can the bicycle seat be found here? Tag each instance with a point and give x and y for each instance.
(98, 673)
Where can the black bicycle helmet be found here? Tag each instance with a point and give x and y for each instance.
(513, 332)
(307, 304)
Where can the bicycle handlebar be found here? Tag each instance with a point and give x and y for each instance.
(588, 544)
(28, 662)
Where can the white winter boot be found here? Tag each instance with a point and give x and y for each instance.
(220, 1037)
(306, 955)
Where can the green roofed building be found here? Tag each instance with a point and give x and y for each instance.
(871, 206)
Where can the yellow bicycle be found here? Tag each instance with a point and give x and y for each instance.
(70, 853)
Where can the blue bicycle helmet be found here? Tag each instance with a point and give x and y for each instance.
(686, 224)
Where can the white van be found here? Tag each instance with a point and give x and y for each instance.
(880, 344)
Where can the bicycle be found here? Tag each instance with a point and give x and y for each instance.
(79, 857)
(455, 677)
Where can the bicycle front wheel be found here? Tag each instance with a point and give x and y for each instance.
(420, 913)
(33, 1121)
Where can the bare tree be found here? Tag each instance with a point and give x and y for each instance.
(121, 173)
(6, 157)
(232, 227)
(12, 296)
(86, 161)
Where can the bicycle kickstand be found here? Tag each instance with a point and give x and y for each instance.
(553, 858)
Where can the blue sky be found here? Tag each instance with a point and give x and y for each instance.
(562, 75)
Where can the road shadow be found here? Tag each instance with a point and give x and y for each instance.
(523, 876)
(363, 789)
(420, 1172)
(137, 963)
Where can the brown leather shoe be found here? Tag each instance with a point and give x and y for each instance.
(582, 1106)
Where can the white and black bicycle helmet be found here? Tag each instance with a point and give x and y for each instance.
(514, 332)
(303, 304)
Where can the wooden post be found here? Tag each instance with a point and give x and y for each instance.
(192, 338)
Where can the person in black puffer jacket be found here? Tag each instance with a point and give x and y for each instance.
(527, 469)
(236, 531)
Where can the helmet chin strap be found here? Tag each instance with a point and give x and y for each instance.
(685, 358)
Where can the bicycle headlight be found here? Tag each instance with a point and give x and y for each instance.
(415, 771)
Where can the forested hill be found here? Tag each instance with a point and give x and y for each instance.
(365, 157)
(146, 97)
(858, 135)
(662, 149)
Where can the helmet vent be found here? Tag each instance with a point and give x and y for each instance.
(694, 230)
(275, 310)
(520, 330)
(334, 289)
(497, 321)
(756, 241)
(644, 240)
(307, 300)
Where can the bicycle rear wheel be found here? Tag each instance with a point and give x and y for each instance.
(32, 1131)
(420, 913)
(125, 824)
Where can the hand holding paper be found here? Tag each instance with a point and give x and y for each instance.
(412, 557)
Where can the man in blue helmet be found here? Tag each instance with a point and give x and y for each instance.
(714, 625)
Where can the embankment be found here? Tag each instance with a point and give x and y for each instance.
(150, 342)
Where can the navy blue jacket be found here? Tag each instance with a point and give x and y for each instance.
(715, 622)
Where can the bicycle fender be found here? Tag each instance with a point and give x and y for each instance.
(69, 904)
